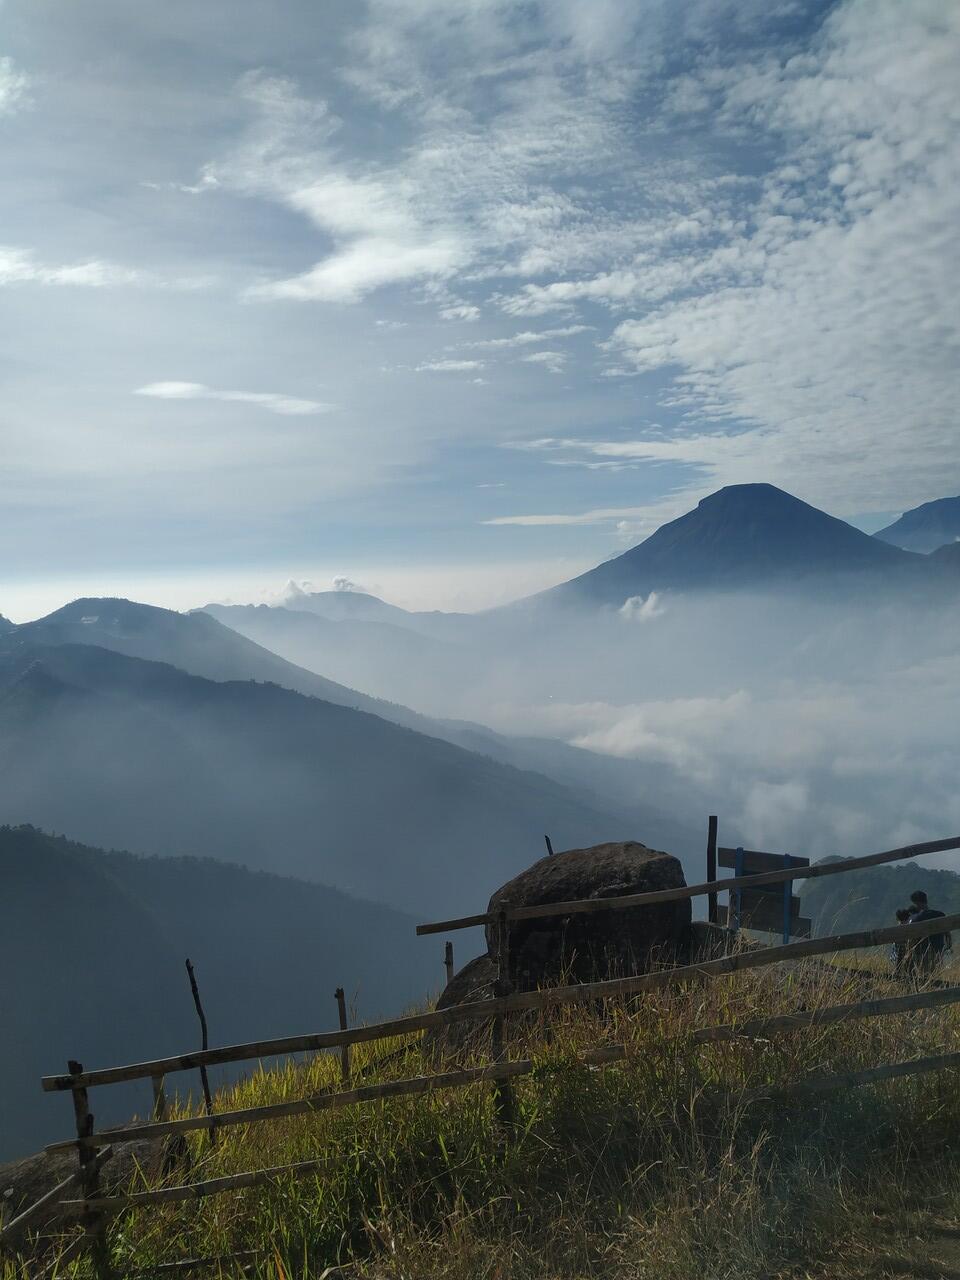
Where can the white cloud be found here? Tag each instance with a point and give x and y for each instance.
(529, 337)
(19, 266)
(600, 516)
(552, 361)
(381, 233)
(643, 608)
(830, 327)
(366, 264)
(288, 406)
(449, 366)
(13, 87)
(460, 311)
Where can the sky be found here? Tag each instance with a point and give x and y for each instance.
(455, 298)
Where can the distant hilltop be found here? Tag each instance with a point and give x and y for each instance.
(925, 528)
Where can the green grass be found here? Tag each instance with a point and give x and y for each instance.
(652, 1167)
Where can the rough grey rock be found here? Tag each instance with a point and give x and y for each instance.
(602, 944)
(23, 1182)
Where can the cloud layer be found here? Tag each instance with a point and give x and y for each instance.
(288, 406)
(678, 246)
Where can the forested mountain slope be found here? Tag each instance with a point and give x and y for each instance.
(98, 940)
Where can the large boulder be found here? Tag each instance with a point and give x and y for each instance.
(585, 947)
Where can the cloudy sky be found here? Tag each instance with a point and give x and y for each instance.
(456, 297)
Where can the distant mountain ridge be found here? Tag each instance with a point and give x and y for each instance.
(353, 605)
(925, 528)
(203, 646)
(126, 752)
(195, 642)
(748, 535)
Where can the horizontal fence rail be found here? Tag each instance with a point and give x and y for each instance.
(587, 906)
(760, 1028)
(856, 1079)
(482, 1009)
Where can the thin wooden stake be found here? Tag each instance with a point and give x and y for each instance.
(549, 847)
(204, 1080)
(448, 961)
(502, 1090)
(344, 1048)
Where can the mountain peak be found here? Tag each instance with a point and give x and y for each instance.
(743, 535)
(756, 496)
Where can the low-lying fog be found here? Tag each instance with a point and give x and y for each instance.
(810, 722)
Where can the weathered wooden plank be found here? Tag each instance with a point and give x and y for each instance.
(194, 1264)
(462, 922)
(303, 1106)
(756, 861)
(764, 911)
(856, 1079)
(579, 993)
(766, 901)
(589, 905)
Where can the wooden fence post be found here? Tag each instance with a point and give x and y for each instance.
(344, 1048)
(448, 961)
(93, 1223)
(712, 912)
(734, 905)
(503, 1089)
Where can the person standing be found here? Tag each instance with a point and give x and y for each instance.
(926, 954)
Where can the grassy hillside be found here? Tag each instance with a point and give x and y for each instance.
(92, 946)
(653, 1169)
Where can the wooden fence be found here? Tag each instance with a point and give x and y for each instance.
(93, 1209)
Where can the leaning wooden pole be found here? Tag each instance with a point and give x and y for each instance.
(93, 1222)
(205, 1045)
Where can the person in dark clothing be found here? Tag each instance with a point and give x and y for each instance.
(926, 954)
(901, 949)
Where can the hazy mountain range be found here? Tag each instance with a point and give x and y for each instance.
(755, 656)
(120, 751)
